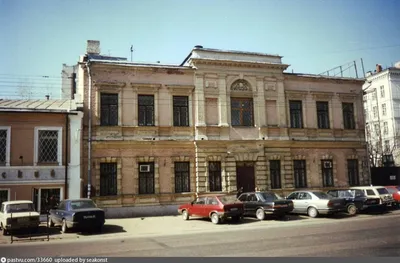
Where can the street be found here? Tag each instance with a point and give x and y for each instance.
(375, 235)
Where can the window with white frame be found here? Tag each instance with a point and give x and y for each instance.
(384, 109)
(385, 128)
(374, 95)
(375, 111)
(382, 91)
(4, 146)
(48, 141)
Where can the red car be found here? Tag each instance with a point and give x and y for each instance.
(217, 207)
(395, 191)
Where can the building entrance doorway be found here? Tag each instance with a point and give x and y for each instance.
(245, 176)
(46, 198)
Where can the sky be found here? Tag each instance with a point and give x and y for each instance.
(313, 36)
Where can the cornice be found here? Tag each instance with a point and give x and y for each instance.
(296, 94)
(109, 84)
(146, 86)
(230, 63)
(180, 88)
(322, 95)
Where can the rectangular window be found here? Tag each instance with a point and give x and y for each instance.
(375, 111)
(382, 91)
(48, 146)
(146, 178)
(214, 176)
(377, 130)
(242, 112)
(300, 173)
(146, 110)
(275, 173)
(385, 128)
(108, 109)
(387, 146)
(384, 109)
(182, 177)
(3, 146)
(108, 179)
(348, 116)
(181, 110)
(3, 196)
(323, 114)
(296, 114)
(327, 173)
(352, 170)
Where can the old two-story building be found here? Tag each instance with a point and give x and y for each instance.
(220, 121)
(40, 151)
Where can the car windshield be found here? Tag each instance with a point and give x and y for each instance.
(391, 190)
(82, 204)
(227, 199)
(20, 208)
(322, 195)
(382, 191)
(270, 196)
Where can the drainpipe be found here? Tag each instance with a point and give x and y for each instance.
(66, 155)
(89, 129)
(196, 167)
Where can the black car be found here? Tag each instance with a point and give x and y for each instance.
(261, 203)
(355, 199)
(77, 213)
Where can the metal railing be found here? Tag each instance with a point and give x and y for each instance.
(29, 235)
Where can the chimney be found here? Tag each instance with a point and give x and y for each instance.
(378, 68)
(93, 47)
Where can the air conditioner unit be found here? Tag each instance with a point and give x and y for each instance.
(327, 164)
(144, 168)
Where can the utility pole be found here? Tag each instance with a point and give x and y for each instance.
(131, 52)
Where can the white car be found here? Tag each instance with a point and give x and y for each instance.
(16, 215)
(380, 192)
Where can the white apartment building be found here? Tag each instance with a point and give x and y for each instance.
(382, 115)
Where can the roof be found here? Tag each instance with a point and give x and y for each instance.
(366, 187)
(32, 105)
(137, 64)
(17, 202)
(305, 75)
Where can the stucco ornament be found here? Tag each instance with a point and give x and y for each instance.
(240, 85)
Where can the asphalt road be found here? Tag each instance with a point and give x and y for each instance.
(373, 236)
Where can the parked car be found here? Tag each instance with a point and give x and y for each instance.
(259, 204)
(314, 203)
(355, 199)
(395, 191)
(385, 198)
(77, 213)
(18, 215)
(217, 207)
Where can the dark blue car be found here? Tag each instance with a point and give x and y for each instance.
(78, 214)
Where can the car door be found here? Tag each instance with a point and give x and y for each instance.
(253, 203)
(58, 213)
(243, 198)
(197, 208)
(212, 204)
(303, 201)
(294, 198)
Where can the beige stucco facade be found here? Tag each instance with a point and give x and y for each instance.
(214, 80)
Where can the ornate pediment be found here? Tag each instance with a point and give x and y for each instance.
(241, 85)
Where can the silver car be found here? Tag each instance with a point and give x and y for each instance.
(314, 203)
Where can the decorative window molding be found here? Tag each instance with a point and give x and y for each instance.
(7, 145)
(147, 159)
(59, 144)
(108, 87)
(192, 173)
(119, 173)
(181, 90)
(145, 89)
(332, 159)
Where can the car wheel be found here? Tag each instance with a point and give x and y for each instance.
(260, 214)
(185, 215)
(64, 227)
(5, 232)
(352, 210)
(215, 218)
(50, 223)
(312, 212)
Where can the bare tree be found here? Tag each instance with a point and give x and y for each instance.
(379, 147)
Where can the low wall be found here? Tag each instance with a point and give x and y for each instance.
(141, 211)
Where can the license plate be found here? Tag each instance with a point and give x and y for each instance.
(372, 202)
(89, 217)
(234, 209)
(336, 204)
(23, 220)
